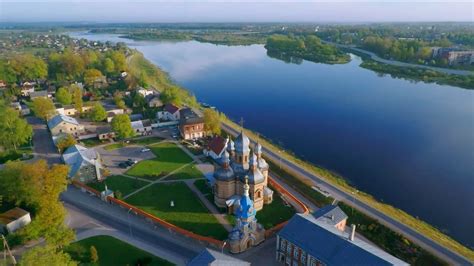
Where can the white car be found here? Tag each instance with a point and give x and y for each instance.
(145, 150)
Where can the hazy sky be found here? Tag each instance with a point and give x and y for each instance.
(234, 11)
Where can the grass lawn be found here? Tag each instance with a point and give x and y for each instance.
(188, 211)
(169, 157)
(120, 183)
(275, 213)
(188, 172)
(92, 142)
(114, 146)
(112, 251)
(145, 141)
(205, 189)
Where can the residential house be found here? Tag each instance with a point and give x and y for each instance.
(154, 101)
(70, 110)
(39, 94)
(215, 258)
(191, 124)
(105, 133)
(135, 117)
(14, 219)
(113, 112)
(27, 89)
(170, 112)
(21, 108)
(142, 127)
(317, 240)
(84, 164)
(216, 147)
(65, 124)
(145, 92)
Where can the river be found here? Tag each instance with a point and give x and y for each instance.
(409, 144)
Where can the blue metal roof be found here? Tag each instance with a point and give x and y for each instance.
(331, 213)
(56, 120)
(331, 246)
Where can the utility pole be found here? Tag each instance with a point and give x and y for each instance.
(5, 249)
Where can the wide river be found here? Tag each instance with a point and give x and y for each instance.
(408, 144)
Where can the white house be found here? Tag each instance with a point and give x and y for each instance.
(216, 147)
(142, 127)
(170, 112)
(14, 219)
(65, 124)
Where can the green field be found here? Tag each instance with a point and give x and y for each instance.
(188, 211)
(169, 157)
(112, 251)
(145, 141)
(275, 212)
(120, 183)
(188, 172)
(114, 146)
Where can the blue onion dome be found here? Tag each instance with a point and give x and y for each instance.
(242, 143)
(246, 209)
(255, 176)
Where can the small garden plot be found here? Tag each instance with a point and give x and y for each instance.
(119, 184)
(188, 212)
(111, 251)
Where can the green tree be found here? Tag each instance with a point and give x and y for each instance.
(14, 130)
(7, 73)
(98, 113)
(77, 97)
(139, 101)
(212, 122)
(122, 126)
(43, 108)
(109, 66)
(28, 67)
(63, 96)
(46, 255)
(120, 62)
(91, 75)
(65, 142)
(119, 101)
(94, 255)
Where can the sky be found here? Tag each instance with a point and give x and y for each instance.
(235, 11)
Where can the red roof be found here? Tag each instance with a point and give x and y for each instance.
(171, 108)
(217, 144)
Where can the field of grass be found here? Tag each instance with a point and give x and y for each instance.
(418, 225)
(145, 141)
(169, 157)
(112, 251)
(188, 211)
(188, 172)
(114, 146)
(120, 183)
(91, 142)
(275, 212)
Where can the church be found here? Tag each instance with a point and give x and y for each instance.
(237, 164)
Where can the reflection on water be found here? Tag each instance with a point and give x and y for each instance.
(410, 144)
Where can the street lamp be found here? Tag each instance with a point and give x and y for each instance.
(129, 222)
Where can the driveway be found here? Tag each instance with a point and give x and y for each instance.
(111, 158)
(43, 143)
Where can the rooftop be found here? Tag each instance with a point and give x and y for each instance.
(215, 258)
(331, 246)
(12, 215)
(331, 214)
(56, 120)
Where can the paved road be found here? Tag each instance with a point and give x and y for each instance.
(42, 142)
(88, 213)
(377, 58)
(425, 242)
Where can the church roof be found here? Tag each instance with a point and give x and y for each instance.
(224, 174)
(242, 143)
(215, 258)
(230, 145)
(246, 209)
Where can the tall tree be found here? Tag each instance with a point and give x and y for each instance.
(109, 66)
(94, 254)
(212, 122)
(119, 101)
(98, 113)
(14, 130)
(65, 142)
(91, 75)
(43, 108)
(28, 67)
(63, 96)
(122, 126)
(46, 255)
(77, 97)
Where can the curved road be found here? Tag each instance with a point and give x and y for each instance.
(444, 253)
(377, 58)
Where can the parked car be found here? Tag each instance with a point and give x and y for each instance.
(130, 161)
(145, 150)
(123, 165)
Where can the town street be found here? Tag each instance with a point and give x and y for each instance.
(425, 242)
(42, 143)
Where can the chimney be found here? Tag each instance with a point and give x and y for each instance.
(353, 231)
